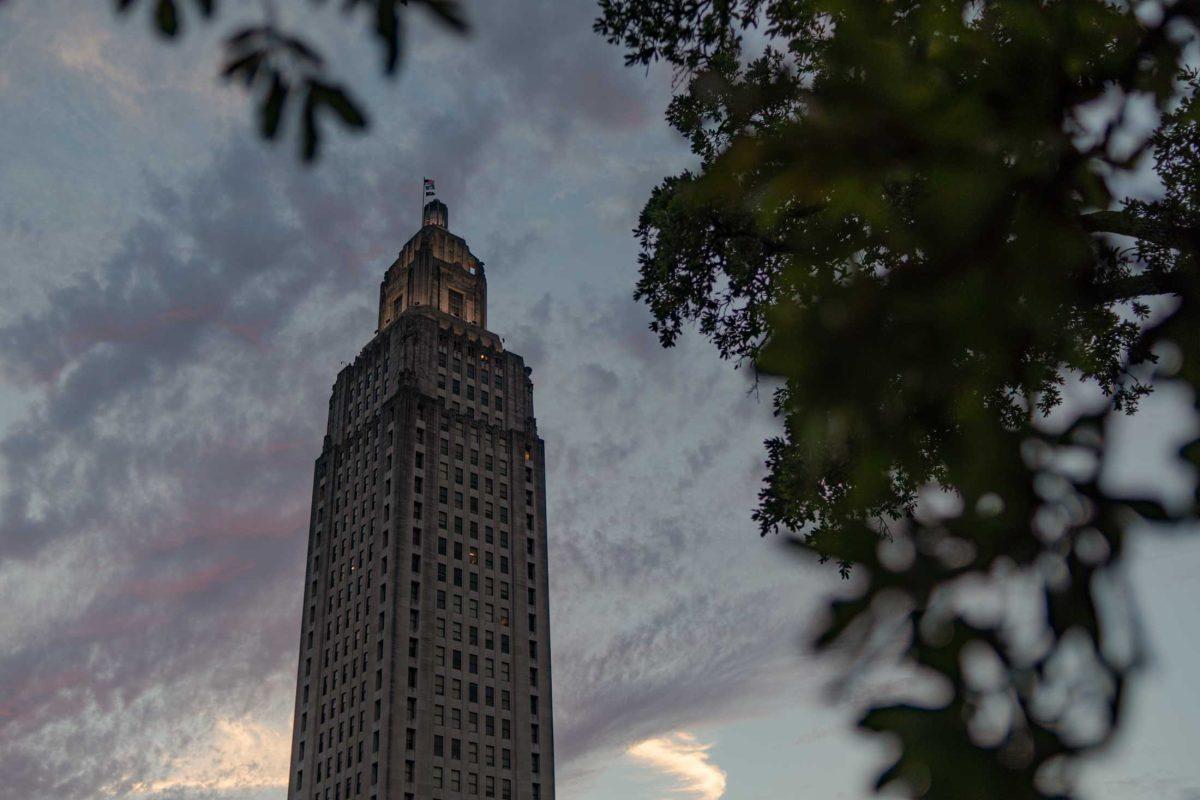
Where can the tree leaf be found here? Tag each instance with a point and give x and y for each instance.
(245, 34)
(271, 109)
(166, 16)
(347, 110)
(302, 49)
(310, 137)
(387, 28)
(246, 67)
(449, 13)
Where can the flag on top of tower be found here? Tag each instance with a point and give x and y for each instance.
(429, 190)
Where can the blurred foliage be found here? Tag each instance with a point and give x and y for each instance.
(906, 211)
(286, 74)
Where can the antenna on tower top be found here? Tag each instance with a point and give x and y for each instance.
(434, 212)
(427, 190)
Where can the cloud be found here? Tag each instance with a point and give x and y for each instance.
(240, 754)
(684, 758)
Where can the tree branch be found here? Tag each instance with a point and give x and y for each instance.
(1142, 285)
(1126, 224)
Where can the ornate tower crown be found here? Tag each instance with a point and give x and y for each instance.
(435, 270)
(436, 213)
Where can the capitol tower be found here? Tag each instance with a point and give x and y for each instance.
(424, 663)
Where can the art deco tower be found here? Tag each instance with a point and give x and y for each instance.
(424, 670)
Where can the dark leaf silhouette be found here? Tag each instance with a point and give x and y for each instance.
(286, 71)
(283, 69)
(167, 14)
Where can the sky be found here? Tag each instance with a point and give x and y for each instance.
(178, 299)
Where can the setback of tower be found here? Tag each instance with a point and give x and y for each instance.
(424, 663)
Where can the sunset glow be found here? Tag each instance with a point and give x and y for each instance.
(684, 758)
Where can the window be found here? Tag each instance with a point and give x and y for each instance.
(456, 303)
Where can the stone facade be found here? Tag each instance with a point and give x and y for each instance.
(424, 665)
(435, 269)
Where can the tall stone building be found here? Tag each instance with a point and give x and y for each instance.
(424, 669)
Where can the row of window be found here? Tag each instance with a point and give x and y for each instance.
(496, 400)
(348, 562)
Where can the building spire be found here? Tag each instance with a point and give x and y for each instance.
(436, 213)
(428, 190)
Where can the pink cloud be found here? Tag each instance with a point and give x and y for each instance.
(173, 588)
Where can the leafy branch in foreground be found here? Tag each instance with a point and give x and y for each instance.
(285, 71)
(904, 211)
